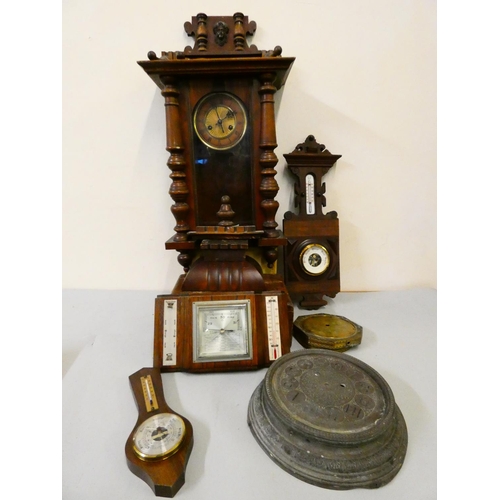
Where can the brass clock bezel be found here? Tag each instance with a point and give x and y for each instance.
(324, 266)
(217, 101)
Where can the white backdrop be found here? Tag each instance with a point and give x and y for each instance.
(363, 83)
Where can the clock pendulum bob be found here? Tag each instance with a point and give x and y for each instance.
(312, 267)
(159, 446)
(230, 310)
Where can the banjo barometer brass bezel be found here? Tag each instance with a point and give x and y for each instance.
(170, 423)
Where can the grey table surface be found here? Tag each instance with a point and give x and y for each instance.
(399, 341)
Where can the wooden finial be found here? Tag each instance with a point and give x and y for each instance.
(226, 213)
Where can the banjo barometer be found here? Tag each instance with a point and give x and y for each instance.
(159, 446)
(229, 309)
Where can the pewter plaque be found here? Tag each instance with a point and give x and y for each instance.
(330, 420)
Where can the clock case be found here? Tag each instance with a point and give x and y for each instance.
(310, 160)
(224, 200)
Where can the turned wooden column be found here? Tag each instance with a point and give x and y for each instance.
(239, 32)
(201, 35)
(268, 159)
(177, 163)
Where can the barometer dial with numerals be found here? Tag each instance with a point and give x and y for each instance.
(159, 436)
(222, 331)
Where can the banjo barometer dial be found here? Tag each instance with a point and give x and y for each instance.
(159, 436)
(220, 120)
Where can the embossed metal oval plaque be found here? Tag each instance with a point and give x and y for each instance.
(330, 420)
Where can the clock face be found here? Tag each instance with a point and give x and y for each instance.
(314, 259)
(159, 436)
(222, 331)
(220, 120)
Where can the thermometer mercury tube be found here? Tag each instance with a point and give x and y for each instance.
(273, 327)
(310, 206)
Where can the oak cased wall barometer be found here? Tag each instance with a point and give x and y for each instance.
(230, 309)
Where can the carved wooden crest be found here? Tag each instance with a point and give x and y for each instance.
(219, 36)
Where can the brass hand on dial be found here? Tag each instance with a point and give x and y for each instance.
(219, 121)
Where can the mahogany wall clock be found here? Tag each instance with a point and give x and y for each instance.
(230, 309)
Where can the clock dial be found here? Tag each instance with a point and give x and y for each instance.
(159, 436)
(220, 120)
(222, 330)
(314, 259)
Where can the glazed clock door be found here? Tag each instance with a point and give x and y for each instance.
(222, 155)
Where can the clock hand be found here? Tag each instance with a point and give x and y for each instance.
(219, 121)
(229, 114)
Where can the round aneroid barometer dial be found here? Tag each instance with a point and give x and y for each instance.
(159, 436)
(220, 120)
(314, 259)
